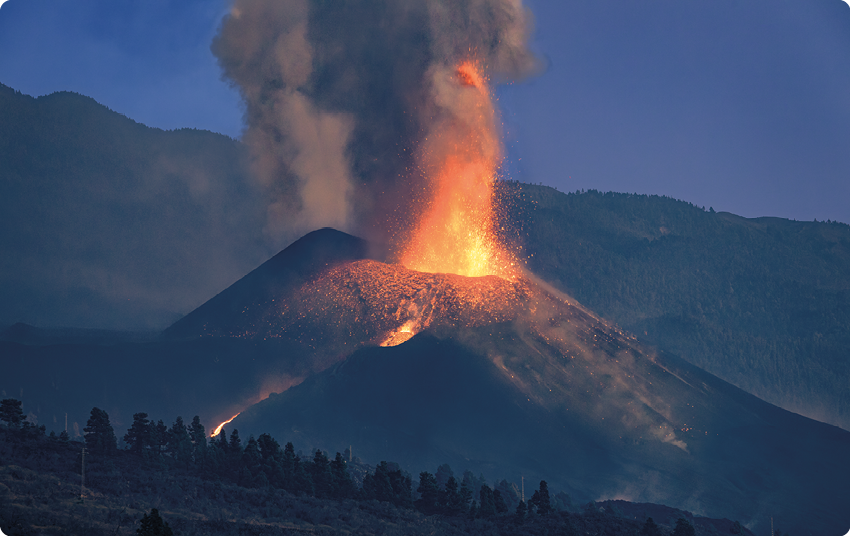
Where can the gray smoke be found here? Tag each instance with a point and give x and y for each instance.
(339, 94)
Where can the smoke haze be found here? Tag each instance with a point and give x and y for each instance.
(339, 96)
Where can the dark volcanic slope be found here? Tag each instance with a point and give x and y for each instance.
(238, 311)
(550, 391)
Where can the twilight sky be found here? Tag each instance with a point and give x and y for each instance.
(742, 105)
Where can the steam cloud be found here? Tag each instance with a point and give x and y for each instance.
(339, 96)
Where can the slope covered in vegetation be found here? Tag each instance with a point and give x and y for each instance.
(763, 303)
(105, 222)
(222, 487)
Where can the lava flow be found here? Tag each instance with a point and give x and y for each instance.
(220, 426)
(455, 231)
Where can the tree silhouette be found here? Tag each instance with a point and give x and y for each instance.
(541, 500)
(11, 412)
(138, 436)
(198, 436)
(650, 528)
(683, 528)
(429, 494)
(179, 443)
(521, 511)
(99, 435)
(153, 525)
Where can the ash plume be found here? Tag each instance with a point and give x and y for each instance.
(340, 95)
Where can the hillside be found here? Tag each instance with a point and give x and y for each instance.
(107, 223)
(763, 303)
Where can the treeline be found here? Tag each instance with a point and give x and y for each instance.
(262, 462)
(226, 482)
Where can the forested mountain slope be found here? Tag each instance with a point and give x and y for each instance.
(107, 223)
(764, 303)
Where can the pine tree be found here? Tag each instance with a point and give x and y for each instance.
(252, 461)
(402, 488)
(465, 495)
(11, 412)
(272, 457)
(288, 464)
(99, 435)
(303, 483)
(429, 494)
(487, 509)
(138, 436)
(198, 436)
(235, 445)
(509, 492)
(159, 436)
(650, 528)
(383, 486)
(179, 443)
(683, 528)
(153, 525)
(499, 502)
(521, 510)
(343, 486)
(541, 500)
(452, 502)
(444, 472)
(320, 471)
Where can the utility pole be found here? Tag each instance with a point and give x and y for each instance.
(771, 526)
(83, 475)
(523, 488)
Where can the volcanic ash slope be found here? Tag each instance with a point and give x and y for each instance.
(513, 379)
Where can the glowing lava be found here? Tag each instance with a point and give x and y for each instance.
(387, 304)
(220, 426)
(455, 232)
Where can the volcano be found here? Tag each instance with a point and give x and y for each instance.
(503, 376)
(512, 378)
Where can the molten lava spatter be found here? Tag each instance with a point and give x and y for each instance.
(455, 231)
(387, 304)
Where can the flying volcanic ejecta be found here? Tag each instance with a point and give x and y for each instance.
(350, 107)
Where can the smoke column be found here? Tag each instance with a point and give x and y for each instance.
(341, 95)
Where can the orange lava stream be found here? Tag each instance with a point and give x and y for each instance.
(220, 426)
(455, 231)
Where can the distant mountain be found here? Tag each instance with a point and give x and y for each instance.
(763, 303)
(107, 223)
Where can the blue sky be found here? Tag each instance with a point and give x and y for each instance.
(742, 105)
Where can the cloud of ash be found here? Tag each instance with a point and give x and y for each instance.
(339, 96)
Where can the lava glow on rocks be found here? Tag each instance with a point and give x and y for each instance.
(394, 303)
